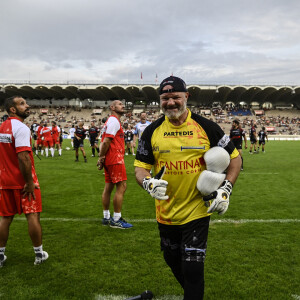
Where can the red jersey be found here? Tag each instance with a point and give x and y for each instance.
(38, 132)
(55, 132)
(46, 133)
(14, 138)
(113, 129)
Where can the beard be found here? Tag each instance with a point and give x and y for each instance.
(120, 112)
(172, 114)
(23, 114)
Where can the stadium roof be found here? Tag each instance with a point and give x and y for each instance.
(137, 93)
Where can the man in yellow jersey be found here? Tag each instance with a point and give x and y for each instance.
(174, 145)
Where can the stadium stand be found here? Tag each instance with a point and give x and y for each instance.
(67, 105)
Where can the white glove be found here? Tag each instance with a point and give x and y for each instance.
(155, 186)
(220, 198)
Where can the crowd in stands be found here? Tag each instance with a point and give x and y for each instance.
(284, 122)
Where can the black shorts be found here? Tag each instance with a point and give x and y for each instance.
(237, 145)
(78, 143)
(253, 140)
(261, 142)
(191, 235)
(93, 141)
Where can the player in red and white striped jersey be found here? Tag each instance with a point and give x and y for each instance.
(46, 134)
(19, 186)
(39, 142)
(56, 136)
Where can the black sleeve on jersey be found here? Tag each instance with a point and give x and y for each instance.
(242, 132)
(214, 133)
(144, 151)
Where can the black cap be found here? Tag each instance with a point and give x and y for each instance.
(178, 85)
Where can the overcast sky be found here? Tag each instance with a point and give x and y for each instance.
(113, 41)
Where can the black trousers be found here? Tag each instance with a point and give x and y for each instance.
(184, 249)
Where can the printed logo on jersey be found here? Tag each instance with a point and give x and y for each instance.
(5, 138)
(192, 148)
(178, 133)
(156, 149)
(223, 142)
(182, 166)
(141, 148)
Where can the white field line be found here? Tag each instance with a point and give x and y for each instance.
(166, 297)
(220, 221)
(122, 297)
(245, 173)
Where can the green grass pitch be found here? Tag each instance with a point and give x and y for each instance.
(254, 255)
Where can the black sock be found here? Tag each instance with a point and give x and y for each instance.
(93, 151)
(76, 157)
(242, 163)
(97, 150)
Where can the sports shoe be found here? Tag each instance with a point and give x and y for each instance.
(85, 160)
(106, 222)
(2, 261)
(41, 259)
(93, 155)
(76, 160)
(121, 223)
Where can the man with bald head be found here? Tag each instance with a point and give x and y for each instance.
(111, 158)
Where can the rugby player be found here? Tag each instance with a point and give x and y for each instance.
(111, 158)
(46, 134)
(56, 134)
(236, 136)
(94, 133)
(39, 141)
(79, 136)
(71, 132)
(19, 186)
(140, 127)
(253, 137)
(176, 143)
(129, 134)
(262, 136)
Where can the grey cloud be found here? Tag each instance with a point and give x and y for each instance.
(107, 40)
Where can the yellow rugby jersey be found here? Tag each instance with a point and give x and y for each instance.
(180, 149)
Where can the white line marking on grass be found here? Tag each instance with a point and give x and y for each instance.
(220, 221)
(245, 173)
(121, 297)
(243, 221)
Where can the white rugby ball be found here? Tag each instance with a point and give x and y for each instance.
(217, 159)
(209, 181)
